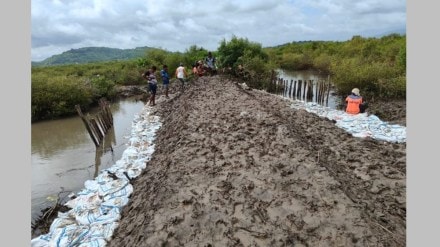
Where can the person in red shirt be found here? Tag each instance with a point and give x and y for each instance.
(355, 103)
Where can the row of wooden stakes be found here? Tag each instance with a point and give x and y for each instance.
(99, 125)
(304, 90)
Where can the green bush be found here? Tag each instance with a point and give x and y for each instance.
(392, 88)
(54, 97)
(192, 55)
(257, 69)
(323, 63)
(291, 61)
(372, 79)
(231, 53)
(102, 87)
(401, 59)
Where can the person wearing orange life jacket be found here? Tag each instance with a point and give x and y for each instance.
(355, 103)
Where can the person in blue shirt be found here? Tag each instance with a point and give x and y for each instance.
(165, 79)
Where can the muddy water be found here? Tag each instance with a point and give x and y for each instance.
(294, 76)
(64, 155)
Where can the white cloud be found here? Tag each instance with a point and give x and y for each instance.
(60, 25)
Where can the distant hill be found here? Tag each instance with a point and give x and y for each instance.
(92, 54)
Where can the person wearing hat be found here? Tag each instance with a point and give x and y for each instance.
(354, 102)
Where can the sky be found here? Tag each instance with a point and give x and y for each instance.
(60, 25)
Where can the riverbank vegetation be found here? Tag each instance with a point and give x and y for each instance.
(57, 89)
(375, 65)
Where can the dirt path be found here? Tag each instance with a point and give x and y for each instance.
(236, 167)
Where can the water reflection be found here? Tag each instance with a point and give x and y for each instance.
(50, 137)
(309, 86)
(107, 145)
(64, 156)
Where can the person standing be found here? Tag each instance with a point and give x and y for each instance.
(146, 74)
(210, 62)
(165, 79)
(152, 85)
(354, 102)
(181, 75)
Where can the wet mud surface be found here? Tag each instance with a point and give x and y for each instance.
(236, 167)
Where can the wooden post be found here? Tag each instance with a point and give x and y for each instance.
(328, 90)
(98, 127)
(78, 109)
(299, 89)
(294, 90)
(310, 90)
(290, 88)
(317, 91)
(321, 97)
(105, 109)
(96, 130)
(304, 90)
(102, 123)
(281, 86)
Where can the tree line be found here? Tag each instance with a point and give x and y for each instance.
(375, 65)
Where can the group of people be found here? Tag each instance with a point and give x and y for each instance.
(354, 102)
(201, 68)
(150, 76)
(207, 66)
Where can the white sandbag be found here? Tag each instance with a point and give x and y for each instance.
(359, 125)
(87, 201)
(96, 209)
(101, 215)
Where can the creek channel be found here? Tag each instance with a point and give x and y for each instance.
(294, 79)
(64, 155)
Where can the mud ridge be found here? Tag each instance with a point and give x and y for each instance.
(236, 167)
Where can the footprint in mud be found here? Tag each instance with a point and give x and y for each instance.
(225, 186)
(197, 211)
(392, 173)
(176, 220)
(296, 220)
(378, 187)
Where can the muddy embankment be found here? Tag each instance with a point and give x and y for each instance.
(235, 167)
